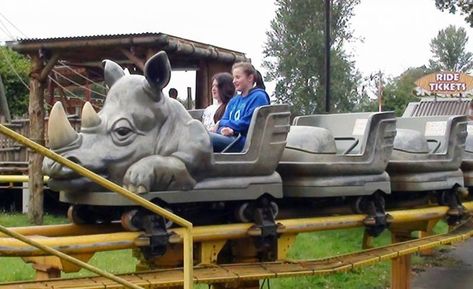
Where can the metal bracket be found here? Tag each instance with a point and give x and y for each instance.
(456, 211)
(156, 233)
(377, 220)
(266, 243)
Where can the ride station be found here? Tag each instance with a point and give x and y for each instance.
(226, 219)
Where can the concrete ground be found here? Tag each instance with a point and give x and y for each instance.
(455, 270)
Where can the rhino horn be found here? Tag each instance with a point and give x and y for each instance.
(60, 131)
(89, 117)
(112, 72)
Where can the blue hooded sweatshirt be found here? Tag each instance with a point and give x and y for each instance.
(240, 110)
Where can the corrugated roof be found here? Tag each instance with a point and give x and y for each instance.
(438, 107)
(93, 49)
(113, 36)
(95, 36)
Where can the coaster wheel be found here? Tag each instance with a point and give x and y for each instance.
(274, 209)
(81, 215)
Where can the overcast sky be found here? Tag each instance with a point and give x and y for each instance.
(396, 33)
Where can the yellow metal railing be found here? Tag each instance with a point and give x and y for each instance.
(93, 238)
(240, 272)
(18, 178)
(187, 233)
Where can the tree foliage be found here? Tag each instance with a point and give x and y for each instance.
(14, 66)
(465, 7)
(294, 55)
(399, 91)
(449, 50)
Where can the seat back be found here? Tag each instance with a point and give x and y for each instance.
(444, 134)
(196, 113)
(264, 144)
(352, 131)
(469, 138)
(371, 135)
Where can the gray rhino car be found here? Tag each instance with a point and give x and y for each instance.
(149, 143)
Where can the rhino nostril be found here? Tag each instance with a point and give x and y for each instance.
(74, 160)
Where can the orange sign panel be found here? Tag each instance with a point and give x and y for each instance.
(446, 83)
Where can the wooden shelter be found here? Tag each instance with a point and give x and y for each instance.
(85, 55)
(132, 50)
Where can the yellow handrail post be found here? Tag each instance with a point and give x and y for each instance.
(188, 259)
(188, 262)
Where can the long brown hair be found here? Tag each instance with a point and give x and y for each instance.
(226, 90)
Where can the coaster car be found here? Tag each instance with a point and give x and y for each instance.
(341, 155)
(426, 160)
(338, 155)
(427, 154)
(467, 162)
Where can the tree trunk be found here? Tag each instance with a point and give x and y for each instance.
(5, 111)
(36, 133)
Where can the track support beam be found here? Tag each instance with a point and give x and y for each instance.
(401, 266)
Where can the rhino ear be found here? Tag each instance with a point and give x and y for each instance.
(112, 72)
(158, 70)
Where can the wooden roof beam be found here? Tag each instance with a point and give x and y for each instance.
(134, 59)
(29, 45)
(49, 66)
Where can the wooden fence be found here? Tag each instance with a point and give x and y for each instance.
(14, 156)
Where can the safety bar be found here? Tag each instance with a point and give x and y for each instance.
(187, 233)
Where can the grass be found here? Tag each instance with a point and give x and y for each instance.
(11, 268)
(330, 243)
(14, 269)
(19, 220)
(307, 246)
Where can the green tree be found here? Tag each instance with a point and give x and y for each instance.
(453, 6)
(398, 92)
(449, 52)
(294, 55)
(14, 67)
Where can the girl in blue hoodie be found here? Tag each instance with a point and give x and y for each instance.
(233, 126)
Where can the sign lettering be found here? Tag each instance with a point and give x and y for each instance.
(446, 83)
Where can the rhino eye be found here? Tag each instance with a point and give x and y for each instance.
(123, 131)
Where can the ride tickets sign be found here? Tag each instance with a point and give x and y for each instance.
(447, 83)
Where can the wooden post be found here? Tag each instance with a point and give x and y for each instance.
(429, 231)
(88, 91)
(36, 133)
(401, 270)
(51, 87)
(242, 251)
(367, 242)
(380, 91)
(202, 88)
(38, 77)
(401, 266)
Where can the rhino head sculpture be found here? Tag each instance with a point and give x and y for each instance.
(140, 139)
